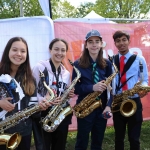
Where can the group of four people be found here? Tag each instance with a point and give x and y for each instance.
(15, 62)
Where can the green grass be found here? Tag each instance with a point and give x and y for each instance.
(108, 143)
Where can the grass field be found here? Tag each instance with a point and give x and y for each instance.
(108, 143)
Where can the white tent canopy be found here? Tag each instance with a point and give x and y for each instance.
(92, 17)
(92, 14)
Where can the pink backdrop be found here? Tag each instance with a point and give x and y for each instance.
(74, 33)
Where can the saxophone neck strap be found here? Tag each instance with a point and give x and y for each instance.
(56, 74)
(127, 65)
(126, 68)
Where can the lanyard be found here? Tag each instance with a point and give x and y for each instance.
(56, 75)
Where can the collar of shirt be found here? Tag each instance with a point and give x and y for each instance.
(126, 55)
(91, 60)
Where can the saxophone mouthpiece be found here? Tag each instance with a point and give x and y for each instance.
(115, 67)
(110, 58)
(72, 65)
(70, 62)
(42, 76)
(41, 73)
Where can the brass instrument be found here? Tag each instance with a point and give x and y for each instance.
(126, 106)
(57, 114)
(89, 103)
(12, 141)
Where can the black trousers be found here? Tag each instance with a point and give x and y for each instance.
(47, 140)
(97, 129)
(56, 140)
(133, 125)
(37, 133)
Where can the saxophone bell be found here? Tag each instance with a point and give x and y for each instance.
(128, 108)
(10, 140)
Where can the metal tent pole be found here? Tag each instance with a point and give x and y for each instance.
(21, 8)
(50, 9)
(127, 19)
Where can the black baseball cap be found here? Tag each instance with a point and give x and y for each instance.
(93, 33)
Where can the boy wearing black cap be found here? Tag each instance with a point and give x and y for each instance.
(90, 62)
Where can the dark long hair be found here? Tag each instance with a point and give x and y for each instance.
(24, 73)
(84, 60)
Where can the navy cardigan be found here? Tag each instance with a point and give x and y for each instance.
(85, 86)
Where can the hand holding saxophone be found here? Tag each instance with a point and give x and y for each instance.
(6, 105)
(107, 113)
(100, 86)
(71, 93)
(44, 104)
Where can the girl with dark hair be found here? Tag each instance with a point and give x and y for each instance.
(89, 64)
(15, 64)
(55, 75)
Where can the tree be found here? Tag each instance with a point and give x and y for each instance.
(63, 10)
(11, 8)
(54, 7)
(122, 8)
(32, 8)
(84, 9)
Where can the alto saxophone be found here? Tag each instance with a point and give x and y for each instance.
(126, 106)
(89, 103)
(57, 114)
(12, 141)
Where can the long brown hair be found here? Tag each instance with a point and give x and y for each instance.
(24, 73)
(84, 60)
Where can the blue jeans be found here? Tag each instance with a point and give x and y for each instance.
(97, 128)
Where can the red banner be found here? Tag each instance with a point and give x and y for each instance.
(74, 33)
